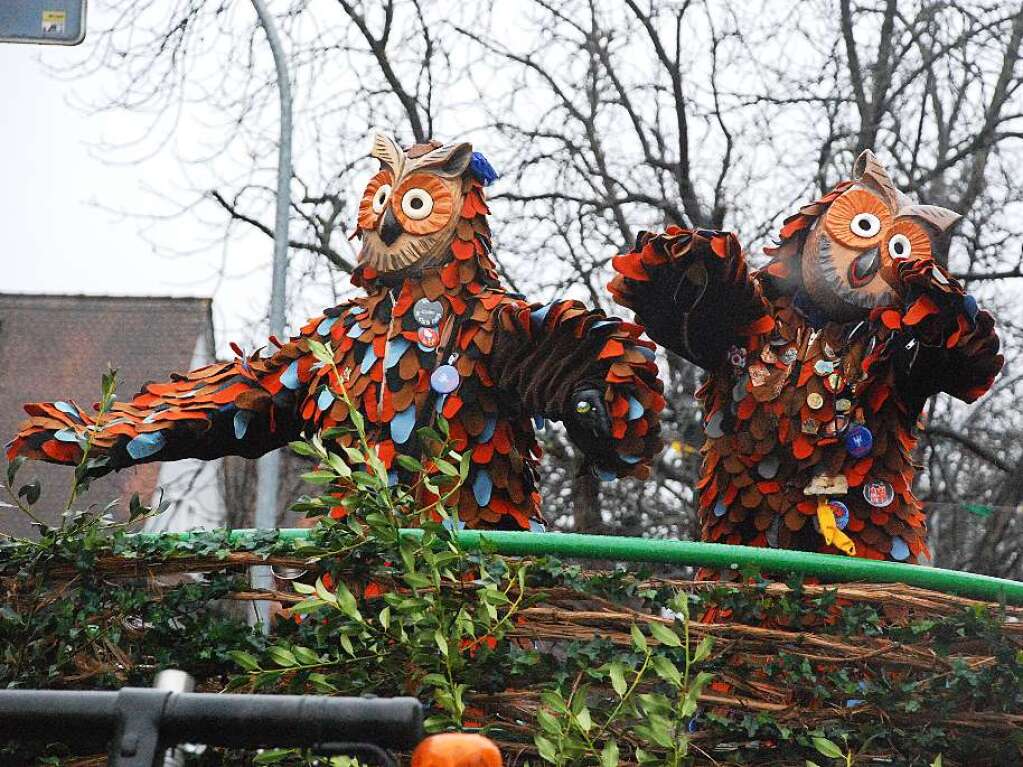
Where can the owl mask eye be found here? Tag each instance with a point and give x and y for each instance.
(857, 219)
(865, 225)
(383, 194)
(417, 204)
(907, 240)
(423, 203)
(375, 200)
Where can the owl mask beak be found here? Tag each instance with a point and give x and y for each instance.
(390, 230)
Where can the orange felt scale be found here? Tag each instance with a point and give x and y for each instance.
(775, 428)
(514, 359)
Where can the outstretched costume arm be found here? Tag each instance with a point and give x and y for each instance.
(693, 292)
(940, 340)
(246, 407)
(593, 372)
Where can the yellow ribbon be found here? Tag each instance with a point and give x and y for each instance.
(829, 528)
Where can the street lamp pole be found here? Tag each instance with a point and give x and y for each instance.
(269, 466)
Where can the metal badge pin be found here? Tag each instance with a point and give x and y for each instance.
(859, 441)
(878, 493)
(841, 512)
(834, 383)
(823, 367)
(814, 401)
(428, 313)
(428, 338)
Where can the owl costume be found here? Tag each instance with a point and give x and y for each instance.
(819, 364)
(434, 333)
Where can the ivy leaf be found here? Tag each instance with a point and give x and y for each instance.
(347, 604)
(303, 448)
(305, 656)
(703, 649)
(617, 674)
(441, 642)
(546, 749)
(584, 719)
(638, 640)
(609, 755)
(665, 635)
(246, 660)
(666, 670)
(827, 748)
(282, 656)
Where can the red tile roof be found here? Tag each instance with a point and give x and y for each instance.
(57, 347)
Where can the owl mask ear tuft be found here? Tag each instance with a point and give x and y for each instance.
(869, 171)
(450, 160)
(386, 150)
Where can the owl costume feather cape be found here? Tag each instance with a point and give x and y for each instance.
(435, 333)
(819, 364)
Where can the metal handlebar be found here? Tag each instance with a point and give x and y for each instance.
(140, 723)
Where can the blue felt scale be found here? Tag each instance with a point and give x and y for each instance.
(326, 399)
(482, 487)
(68, 409)
(402, 424)
(489, 426)
(145, 445)
(900, 550)
(537, 316)
(396, 347)
(324, 327)
(289, 378)
(355, 330)
(635, 409)
(241, 423)
(368, 358)
(66, 435)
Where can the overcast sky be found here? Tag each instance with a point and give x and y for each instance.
(58, 233)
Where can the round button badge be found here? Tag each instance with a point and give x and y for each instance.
(859, 441)
(878, 493)
(841, 512)
(814, 401)
(427, 312)
(428, 338)
(444, 379)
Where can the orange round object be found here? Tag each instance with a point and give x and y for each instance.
(367, 216)
(441, 200)
(456, 749)
(839, 219)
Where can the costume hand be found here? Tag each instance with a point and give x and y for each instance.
(589, 413)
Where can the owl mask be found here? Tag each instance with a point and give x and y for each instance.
(867, 226)
(410, 209)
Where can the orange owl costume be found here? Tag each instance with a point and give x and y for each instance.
(819, 364)
(435, 333)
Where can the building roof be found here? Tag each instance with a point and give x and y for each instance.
(58, 347)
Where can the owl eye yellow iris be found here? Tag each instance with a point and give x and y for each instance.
(417, 204)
